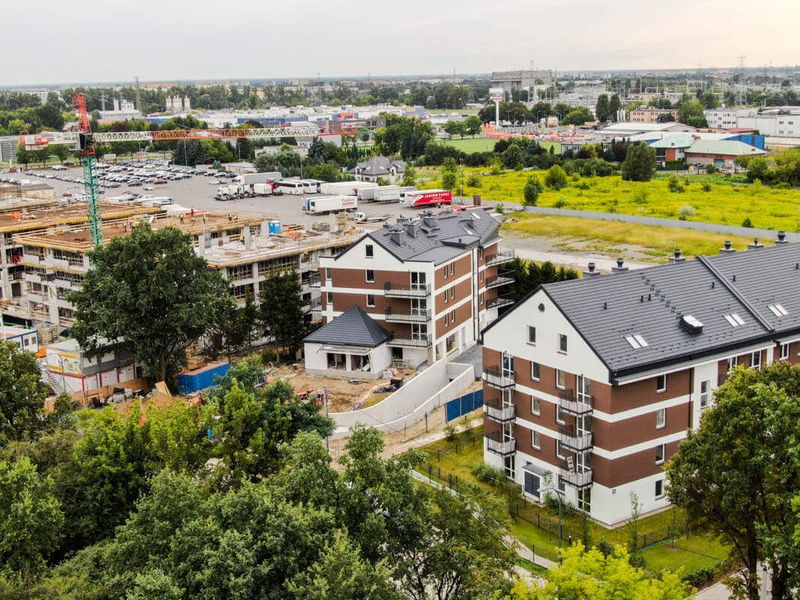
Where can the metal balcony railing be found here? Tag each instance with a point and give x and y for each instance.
(495, 443)
(580, 478)
(417, 290)
(313, 280)
(423, 342)
(575, 441)
(499, 281)
(502, 257)
(498, 378)
(576, 404)
(499, 302)
(412, 316)
(497, 411)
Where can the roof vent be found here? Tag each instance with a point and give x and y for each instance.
(781, 238)
(755, 245)
(590, 270)
(429, 219)
(676, 257)
(412, 228)
(619, 268)
(691, 325)
(396, 234)
(727, 249)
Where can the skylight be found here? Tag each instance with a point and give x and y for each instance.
(636, 341)
(778, 310)
(734, 319)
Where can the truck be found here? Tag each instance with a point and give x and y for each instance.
(253, 178)
(420, 198)
(232, 192)
(263, 189)
(386, 193)
(350, 188)
(361, 217)
(328, 204)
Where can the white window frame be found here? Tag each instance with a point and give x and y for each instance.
(560, 416)
(563, 385)
(536, 406)
(662, 494)
(661, 418)
(661, 389)
(328, 274)
(367, 277)
(370, 300)
(536, 440)
(531, 328)
(705, 393)
(663, 454)
(534, 366)
(558, 450)
(785, 351)
(329, 298)
(753, 363)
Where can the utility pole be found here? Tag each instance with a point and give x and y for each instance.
(103, 100)
(138, 94)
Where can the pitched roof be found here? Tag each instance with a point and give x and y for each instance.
(353, 327)
(739, 298)
(437, 238)
(379, 165)
(726, 147)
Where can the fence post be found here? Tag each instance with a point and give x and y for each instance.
(430, 471)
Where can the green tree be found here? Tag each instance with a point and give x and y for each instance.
(61, 151)
(454, 128)
(529, 275)
(150, 294)
(22, 394)
(555, 178)
(281, 311)
(710, 100)
(30, 519)
(639, 163)
(24, 156)
(533, 188)
(736, 475)
(406, 136)
(691, 113)
(449, 174)
(409, 176)
(472, 125)
(603, 109)
(577, 116)
(614, 106)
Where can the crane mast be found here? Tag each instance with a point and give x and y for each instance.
(86, 145)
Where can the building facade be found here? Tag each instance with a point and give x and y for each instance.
(591, 385)
(651, 115)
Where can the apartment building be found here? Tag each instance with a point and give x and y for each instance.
(431, 282)
(591, 385)
(780, 121)
(648, 114)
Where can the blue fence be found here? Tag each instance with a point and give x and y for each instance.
(465, 404)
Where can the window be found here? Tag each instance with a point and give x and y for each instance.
(536, 440)
(329, 297)
(659, 489)
(536, 371)
(661, 383)
(661, 452)
(370, 276)
(734, 319)
(661, 418)
(562, 343)
(369, 251)
(561, 379)
(531, 335)
(784, 351)
(705, 388)
(778, 310)
(452, 293)
(560, 418)
(531, 484)
(636, 341)
(328, 273)
(585, 500)
(370, 300)
(452, 268)
(445, 272)
(559, 451)
(732, 362)
(536, 405)
(755, 360)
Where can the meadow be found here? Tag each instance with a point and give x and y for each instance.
(484, 144)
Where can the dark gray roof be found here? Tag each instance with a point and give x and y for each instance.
(651, 303)
(380, 165)
(437, 238)
(353, 327)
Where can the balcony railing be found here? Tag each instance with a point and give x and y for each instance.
(498, 378)
(416, 290)
(495, 443)
(497, 411)
(423, 342)
(577, 478)
(499, 302)
(576, 404)
(499, 281)
(412, 316)
(502, 256)
(315, 303)
(575, 441)
(313, 280)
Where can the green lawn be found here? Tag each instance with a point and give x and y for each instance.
(470, 145)
(458, 458)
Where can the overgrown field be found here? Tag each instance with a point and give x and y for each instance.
(710, 199)
(484, 144)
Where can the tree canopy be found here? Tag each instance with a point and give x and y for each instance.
(639, 163)
(22, 394)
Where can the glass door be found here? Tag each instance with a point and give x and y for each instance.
(418, 280)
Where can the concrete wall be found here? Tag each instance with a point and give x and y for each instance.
(433, 387)
(316, 362)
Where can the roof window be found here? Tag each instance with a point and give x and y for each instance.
(734, 319)
(636, 341)
(778, 310)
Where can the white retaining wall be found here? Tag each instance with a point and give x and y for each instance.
(433, 387)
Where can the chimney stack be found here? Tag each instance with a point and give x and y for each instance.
(619, 268)
(676, 257)
(396, 234)
(727, 249)
(755, 245)
(781, 238)
(429, 219)
(590, 271)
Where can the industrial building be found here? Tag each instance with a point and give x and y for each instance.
(525, 79)
(778, 121)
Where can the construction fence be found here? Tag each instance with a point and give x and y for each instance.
(463, 405)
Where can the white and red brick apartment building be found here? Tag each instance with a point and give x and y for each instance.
(591, 385)
(432, 282)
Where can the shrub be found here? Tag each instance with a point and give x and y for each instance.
(674, 185)
(560, 203)
(583, 185)
(556, 178)
(551, 503)
(533, 188)
(711, 169)
(450, 432)
(490, 475)
(747, 222)
(474, 181)
(700, 578)
(605, 548)
(500, 208)
(687, 210)
(707, 187)
(640, 197)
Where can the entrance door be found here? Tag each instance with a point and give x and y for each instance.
(419, 306)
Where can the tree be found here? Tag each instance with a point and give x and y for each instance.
(24, 156)
(148, 293)
(614, 106)
(602, 110)
(591, 574)
(533, 188)
(691, 113)
(709, 100)
(737, 474)
(472, 125)
(409, 176)
(449, 174)
(281, 311)
(529, 275)
(30, 519)
(639, 163)
(556, 178)
(577, 116)
(454, 128)
(22, 394)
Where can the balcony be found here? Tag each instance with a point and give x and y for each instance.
(497, 411)
(412, 316)
(315, 303)
(578, 405)
(416, 290)
(498, 378)
(502, 257)
(579, 479)
(495, 443)
(423, 342)
(499, 281)
(313, 280)
(499, 302)
(575, 441)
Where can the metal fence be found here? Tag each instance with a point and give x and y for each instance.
(463, 405)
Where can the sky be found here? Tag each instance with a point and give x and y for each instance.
(175, 40)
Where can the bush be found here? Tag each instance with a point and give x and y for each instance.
(687, 210)
(605, 548)
(674, 185)
(560, 203)
(551, 503)
(450, 432)
(500, 208)
(532, 191)
(747, 222)
(556, 178)
(640, 197)
(474, 181)
(490, 475)
(640, 163)
(700, 578)
(707, 187)
(711, 169)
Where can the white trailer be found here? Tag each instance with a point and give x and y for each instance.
(253, 178)
(328, 204)
(386, 193)
(349, 188)
(262, 189)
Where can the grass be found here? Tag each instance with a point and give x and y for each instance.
(689, 553)
(469, 145)
(615, 236)
(724, 200)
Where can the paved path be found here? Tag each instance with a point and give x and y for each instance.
(718, 591)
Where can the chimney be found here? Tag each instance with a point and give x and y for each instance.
(411, 228)
(402, 219)
(590, 271)
(781, 238)
(429, 219)
(619, 268)
(396, 234)
(727, 249)
(676, 257)
(755, 245)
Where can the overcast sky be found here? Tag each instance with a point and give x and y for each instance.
(171, 40)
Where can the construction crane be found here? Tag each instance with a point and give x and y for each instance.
(86, 146)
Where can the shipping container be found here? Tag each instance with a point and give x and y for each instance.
(346, 188)
(202, 378)
(422, 198)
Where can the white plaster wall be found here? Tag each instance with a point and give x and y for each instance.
(613, 505)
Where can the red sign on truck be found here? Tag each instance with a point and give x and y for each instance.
(427, 198)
